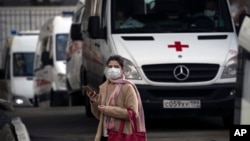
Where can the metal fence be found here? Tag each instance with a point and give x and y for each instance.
(25, 18)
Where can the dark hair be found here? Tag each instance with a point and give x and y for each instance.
(117, 58)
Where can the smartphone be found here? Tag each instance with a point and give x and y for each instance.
(87, 88)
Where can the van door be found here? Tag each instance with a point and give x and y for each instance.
(99, 46)
(22, 77)
(93, 63)
(42, 68)
(74, 54)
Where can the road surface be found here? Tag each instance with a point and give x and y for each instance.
(71, 124)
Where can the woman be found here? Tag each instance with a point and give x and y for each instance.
(116, 95)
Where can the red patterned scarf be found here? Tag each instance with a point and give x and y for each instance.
(112, 99)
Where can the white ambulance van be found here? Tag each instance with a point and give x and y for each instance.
(74, 58)
(50, 61)
(18, 60)
(181, 54)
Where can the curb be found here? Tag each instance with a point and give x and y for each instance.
(21, 130)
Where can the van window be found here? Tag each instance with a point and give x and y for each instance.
(61, 44)
(23, 64)
(170, 16)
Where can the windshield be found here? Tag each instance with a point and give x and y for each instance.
(170, 16)
(23, 64)
(61, 44)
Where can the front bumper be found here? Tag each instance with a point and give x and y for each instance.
(216, 100)
(21, 101)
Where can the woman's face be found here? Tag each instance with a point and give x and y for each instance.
(114, 70)
(114, 64)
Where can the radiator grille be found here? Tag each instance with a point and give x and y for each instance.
(165, 72)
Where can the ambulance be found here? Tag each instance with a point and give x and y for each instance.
(181, 54)
(18, 60)
(50, 61)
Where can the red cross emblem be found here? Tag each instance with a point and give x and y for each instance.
(178, 46)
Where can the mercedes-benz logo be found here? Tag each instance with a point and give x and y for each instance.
(181, 72)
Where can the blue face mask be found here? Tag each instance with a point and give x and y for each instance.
(113, 73)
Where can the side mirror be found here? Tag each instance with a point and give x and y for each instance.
(94, 29)
(244, 33)
(2, 74)
(75, 32)
(45, 59)
(241, 19)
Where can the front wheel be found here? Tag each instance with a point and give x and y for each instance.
(86, 99)
(228, 121)
(77, 99)
(59, 98)
(88, 108)
(36, 101)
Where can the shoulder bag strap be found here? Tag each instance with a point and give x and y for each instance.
(132, 118)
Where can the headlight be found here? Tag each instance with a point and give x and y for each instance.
(230, 69)
(130, 70)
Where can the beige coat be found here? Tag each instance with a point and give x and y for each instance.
(127, 98)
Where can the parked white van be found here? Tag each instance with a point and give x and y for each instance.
(74, 57)
(50, 61)
(181, 54)
(18, 59)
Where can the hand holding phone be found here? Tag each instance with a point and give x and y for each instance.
(91, 93)
(88, 89)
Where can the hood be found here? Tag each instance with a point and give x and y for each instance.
(23, 86)
(175, 48)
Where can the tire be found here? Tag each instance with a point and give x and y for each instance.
(52, 97)
(82, 74)
(77, 99)
(36, 101)
(58, 99)
(88, 111)
(228, 121)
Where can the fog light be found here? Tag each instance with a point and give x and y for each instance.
(19, 101)
(233, 92)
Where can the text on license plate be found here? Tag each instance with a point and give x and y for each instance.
(174, 104)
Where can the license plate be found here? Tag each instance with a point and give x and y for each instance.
(175, 104)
